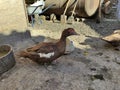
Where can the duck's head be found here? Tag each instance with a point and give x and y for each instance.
(68, 32)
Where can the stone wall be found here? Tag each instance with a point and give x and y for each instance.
(12, 15)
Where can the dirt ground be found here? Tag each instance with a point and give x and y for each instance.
(93, 65)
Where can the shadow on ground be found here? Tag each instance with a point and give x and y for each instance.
(103, 28)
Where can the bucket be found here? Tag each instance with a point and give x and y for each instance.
(7, 60)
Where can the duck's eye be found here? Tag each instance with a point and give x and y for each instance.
(71, 30)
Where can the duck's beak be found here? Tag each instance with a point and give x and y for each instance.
(75, 33)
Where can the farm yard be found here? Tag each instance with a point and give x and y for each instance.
(93, 65)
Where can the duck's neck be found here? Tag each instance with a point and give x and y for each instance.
(63, 37)
(62, 44)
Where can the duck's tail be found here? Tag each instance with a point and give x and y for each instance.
(24, 54)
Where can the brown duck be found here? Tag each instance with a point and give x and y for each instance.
(47, 52)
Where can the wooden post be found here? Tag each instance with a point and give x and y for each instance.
(64, 17)
(26, 15)
(118, 10)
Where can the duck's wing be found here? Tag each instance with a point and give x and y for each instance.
(43, 48)
(35, 47)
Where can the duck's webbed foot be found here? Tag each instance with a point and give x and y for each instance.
(49, 66)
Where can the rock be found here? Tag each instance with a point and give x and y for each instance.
(98, 76)
(53, 17)
(99, 53)
(117, 60)
(50, 68)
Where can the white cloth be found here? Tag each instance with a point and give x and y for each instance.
(32, 7)
(37, 3)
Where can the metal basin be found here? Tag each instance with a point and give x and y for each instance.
(7, 60)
